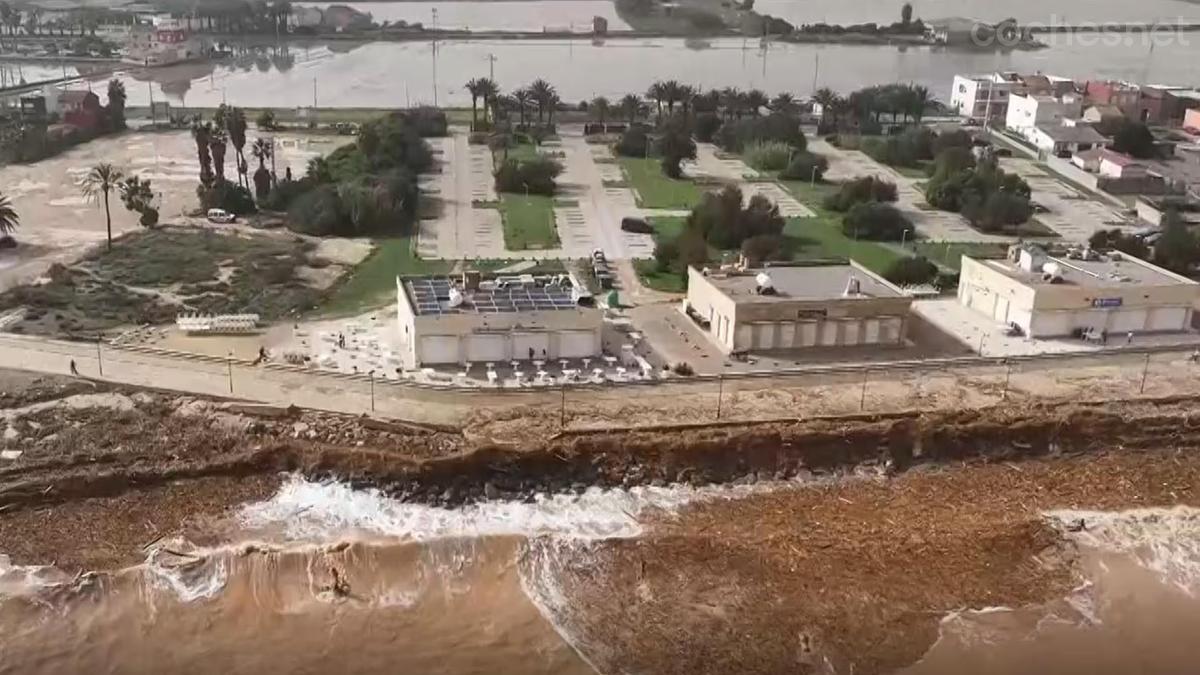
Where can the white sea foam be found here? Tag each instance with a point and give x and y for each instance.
(1163, 540)
(24, 579)
(311, 511)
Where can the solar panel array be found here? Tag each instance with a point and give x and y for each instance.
(432, 295)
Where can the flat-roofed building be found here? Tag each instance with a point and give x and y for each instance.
(1082, 292)
(797, 307)
(472, 319)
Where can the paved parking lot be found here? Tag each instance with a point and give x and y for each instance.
(1073, 215)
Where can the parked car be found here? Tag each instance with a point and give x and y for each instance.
(638, 225)
(220, 216)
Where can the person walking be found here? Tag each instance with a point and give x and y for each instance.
(74, 370)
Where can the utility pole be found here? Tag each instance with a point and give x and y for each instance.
(372, 375)
(1145, 371)
(720, 393)
(1007, 376)
(99, 359)
(862, 395)
(492, 67)
(562, 409)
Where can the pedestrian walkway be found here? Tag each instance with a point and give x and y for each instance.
(573, 231)
(789, 207)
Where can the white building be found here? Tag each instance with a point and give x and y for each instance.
(796, 307)
(982, 97)
(1099, 295)
(1064, 140)
(165, 42)
(1025, 113)
(470, 319)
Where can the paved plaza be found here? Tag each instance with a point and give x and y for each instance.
(1072, 214)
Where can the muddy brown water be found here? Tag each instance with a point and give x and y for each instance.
(418, 592)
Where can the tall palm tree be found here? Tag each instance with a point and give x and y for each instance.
(201, 134)
(657, 92)
(8, 217)
(262, 178)
(756, 100)
(672, 93)
(687, 97)
(630, 106)
(101, 180)
(523, 98)
(235, 124)
(919, 100)
(542, 92)
(217, 141)
(488, 91)
(783, 103)
(600, 107)
(731, 102)
(473, 87)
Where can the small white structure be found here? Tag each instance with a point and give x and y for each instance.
(1062, 140)
(796, 307)
(1114, 164)
(218, 323)
(1081, 293)
(1025, 113)
(470, 319)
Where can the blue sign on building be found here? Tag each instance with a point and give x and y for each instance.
(1106, 302)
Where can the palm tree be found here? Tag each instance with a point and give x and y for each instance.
(657, 93)
(473, 87)
(600, 107)
(630, 106)
(731, 101)
(687, 96)
(101, 180)
(262, 178)
(831, 103)
(542, 92)
(523, 98)
(8, 217)
(783, 103)
(919, 100)
(216, 147)
(756, 99)
(235, 124)
(201, 133)
(672, 93)
(488, 91)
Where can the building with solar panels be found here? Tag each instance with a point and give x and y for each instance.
(470, 318)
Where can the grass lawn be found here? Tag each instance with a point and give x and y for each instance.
(821, 237)
(373, 281)
(523, 152)
(654, 189)
(651, 277)
(528, 222)
(667, 228)
(950, 254)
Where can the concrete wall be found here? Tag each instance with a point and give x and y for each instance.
(720, 310)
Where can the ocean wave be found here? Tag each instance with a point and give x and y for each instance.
(1163, 540)
(305, 510)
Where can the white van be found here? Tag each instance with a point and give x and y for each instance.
(220, 216)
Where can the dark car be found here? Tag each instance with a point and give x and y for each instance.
(631, 224)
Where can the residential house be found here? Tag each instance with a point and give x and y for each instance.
(81, 109)
(1088, 160)
(1105, 118)
(1115, 164)
(1061, 140)
(1191, 120)
(304, 17)
(982, 97)
(1026, 112)
(1159, 104)
(1153, 210)
(343, 17)
(1124, 96)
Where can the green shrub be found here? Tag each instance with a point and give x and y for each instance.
(225, 195)
(707, 124)
(634, 143)
(876, 221)
(737, 135)
(806, 165)
(723, 222)
(764, 247)
(911, 271)
(861, 190)
(535, 176)
(768, 155)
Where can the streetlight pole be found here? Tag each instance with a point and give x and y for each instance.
(372, 375)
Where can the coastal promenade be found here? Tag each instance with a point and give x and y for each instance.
(850, 389)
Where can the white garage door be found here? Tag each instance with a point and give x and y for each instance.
(1049, 324)
(806, 333)
(1000, 313)
(870, 331)
(1125, 320)
(485, 348)
(764, 335)
(1168, 318)
(850, 330)
(537, 344)
(438, 349)
(829, 333)
(576, 344)
(889, 330)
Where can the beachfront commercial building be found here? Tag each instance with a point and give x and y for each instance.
(796, 307)
(472, 319)
(1081, 294)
